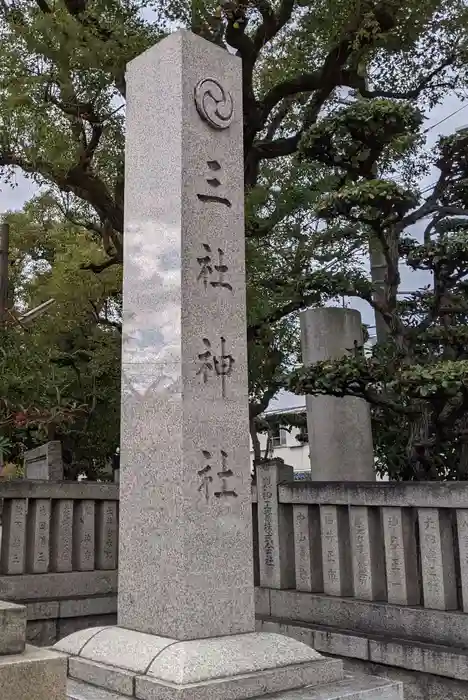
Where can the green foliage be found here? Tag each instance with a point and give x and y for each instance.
(417, 377)
(324, 180)
(60, 379)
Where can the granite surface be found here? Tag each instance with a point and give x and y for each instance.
(244, 686)
(185, 556)
(339, 429)
(36, 674)
(44, 462)
(233, 667)
(115, 679)
(207, 659)
(124, 648)
(275, 528)
(351, 688)
(12, 628)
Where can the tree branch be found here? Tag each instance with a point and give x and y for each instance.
(100, 267)
(272, 23)
(104, 321)
(283, 311)
(43, 6)
(411, 94)
(278, 118)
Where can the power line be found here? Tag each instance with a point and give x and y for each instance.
(445, 118)
(429, 187)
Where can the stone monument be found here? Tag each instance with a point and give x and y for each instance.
(44, 463)
(339, 428)
(186, 618)
(27, 672)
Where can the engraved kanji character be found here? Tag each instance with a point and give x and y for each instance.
(205, 358)
(207, 268)
(206, 478)
(214, 182)
(224, 474)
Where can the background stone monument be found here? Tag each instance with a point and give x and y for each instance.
(44, 463)
(186, 599)
(339, 429)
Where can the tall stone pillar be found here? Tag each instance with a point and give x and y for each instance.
(339, 429)
(185, 602)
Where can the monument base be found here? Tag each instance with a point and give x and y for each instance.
(27, 672)
(350, 688)
(125, 663)
(36, 674)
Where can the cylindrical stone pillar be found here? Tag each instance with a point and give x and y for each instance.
(339, 429)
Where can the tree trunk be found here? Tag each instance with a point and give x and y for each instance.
(255, 441)
(4, 246)
(378, 269)
(462, 471)
(420, 460)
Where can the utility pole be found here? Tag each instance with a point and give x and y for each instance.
(4, 247)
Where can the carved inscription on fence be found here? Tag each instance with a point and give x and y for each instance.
(106, 535)
(269, 544)
(437, 559)
(395, 555)
(361, 553)
(330, 550)
(84, 536)
(431, 555)
(14, 536)
(39, 536)
(302, 547)
(62, 528)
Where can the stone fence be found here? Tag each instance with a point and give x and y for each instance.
(59, 554)
(376, 573)
(370, 571)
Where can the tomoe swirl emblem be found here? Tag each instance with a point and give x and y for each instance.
(214, 103)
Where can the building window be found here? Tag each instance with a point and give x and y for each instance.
(278, 437)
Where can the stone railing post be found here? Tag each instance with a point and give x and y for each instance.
(339, 429)
(13, 549)
(275, 527)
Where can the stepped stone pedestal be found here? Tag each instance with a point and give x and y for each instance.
(27, 672)
(350, 688)
(186, 618)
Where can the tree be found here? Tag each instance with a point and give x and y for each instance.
(63, 86)
(60, 379)
(417, 378)
(63, 92)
